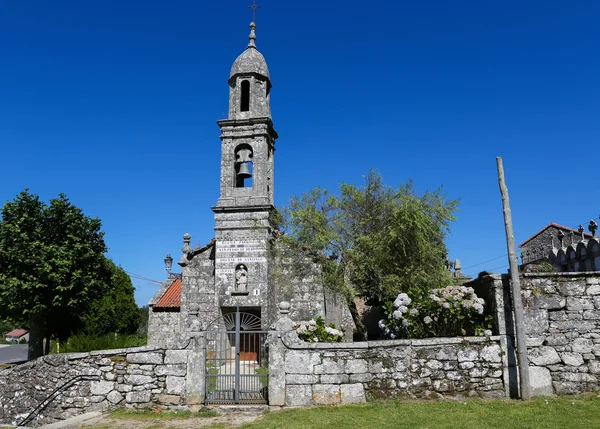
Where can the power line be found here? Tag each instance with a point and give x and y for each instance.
(137, 276)
(485, 262)
(491, 270)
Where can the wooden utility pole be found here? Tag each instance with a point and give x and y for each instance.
(521, 339)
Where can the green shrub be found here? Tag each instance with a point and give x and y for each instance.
(540, 267)
(315, 331)
(87, 343)
(263, 376)
(212, 381)
(445, 312)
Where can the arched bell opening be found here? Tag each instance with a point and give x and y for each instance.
(243, 166)
(245, 96)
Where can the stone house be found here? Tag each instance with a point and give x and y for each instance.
(163, 312)
(567, 249)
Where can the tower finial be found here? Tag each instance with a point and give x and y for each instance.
(252, 36)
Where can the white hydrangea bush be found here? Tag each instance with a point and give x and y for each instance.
(445, 312)
(315, 331)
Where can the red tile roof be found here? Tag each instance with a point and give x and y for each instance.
(17, 333)
(172, 297)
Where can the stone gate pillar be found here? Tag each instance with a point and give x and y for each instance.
(277, 355)
(196, 370)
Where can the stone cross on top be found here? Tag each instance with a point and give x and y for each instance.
(254, 7)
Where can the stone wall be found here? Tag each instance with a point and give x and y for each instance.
(338, 373)
(562, 323)
(163, 327)
(138, 377)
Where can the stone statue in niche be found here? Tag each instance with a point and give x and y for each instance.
(241, 278)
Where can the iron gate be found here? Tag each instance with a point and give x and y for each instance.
(237, 370)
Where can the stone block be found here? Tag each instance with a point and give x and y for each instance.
(580, 326)
(478, 372)
(356, 366)
(176, 356)
(591, 314)
(298, 396)
(582, 345)
(536, 321)
(175, 385)
(453, 375)
(434, 365)
(114, 397)
(335, 378)
(468, 354)
(353, 393)
(145, 358)
(572, 359)
(138, 380)
(550, 302)
(567, 387)
(594, 367)
(98, 407)
(466, 365)
(593, 289)
(326, 394)
(140, 397)
(301, 379)
(101, 387)
(442, 386)
(491, 353)
(168, 399)
(360, 378)
(571, 289)
(576, 304)
(542, 356)
(535, 341)
(179, 370)
(301, 361)
(446, 353)
(330, 366)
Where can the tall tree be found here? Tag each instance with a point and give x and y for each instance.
(374, 241)
(116, 310)
(51, 263)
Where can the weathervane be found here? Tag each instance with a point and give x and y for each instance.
(254, 7)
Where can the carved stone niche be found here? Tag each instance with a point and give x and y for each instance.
(241, 280)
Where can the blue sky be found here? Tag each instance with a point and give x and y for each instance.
(115, 103)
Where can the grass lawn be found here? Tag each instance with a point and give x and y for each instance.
(547, 413)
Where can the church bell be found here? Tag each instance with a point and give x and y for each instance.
(244, 171)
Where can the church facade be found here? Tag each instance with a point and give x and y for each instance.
(246, 267)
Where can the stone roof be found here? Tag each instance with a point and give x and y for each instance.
(172, 297)
(250, 61)
(553, 225)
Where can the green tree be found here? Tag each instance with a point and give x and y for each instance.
(116, 310)
(142, 329)
(51, 264)
(374, 241)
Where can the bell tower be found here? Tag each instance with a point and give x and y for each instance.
(243, 212)
(248, 136)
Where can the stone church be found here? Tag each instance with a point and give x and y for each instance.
(246, 267)
(566, 249)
